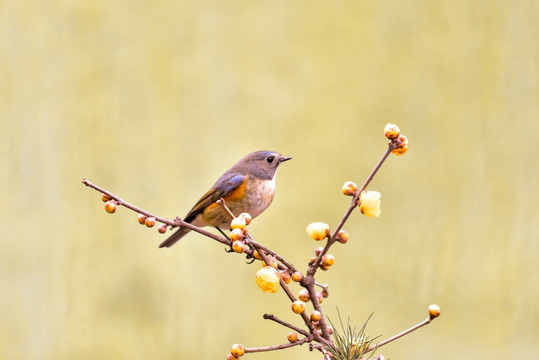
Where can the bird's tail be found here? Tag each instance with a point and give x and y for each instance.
(172, 239)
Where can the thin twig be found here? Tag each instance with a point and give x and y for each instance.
(174, 223)
(284, 323)
(399, 335)
(278, 347)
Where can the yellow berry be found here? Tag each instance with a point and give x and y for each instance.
(318, 230)
(369, 203)
(319, 296)
(150, 221)
(105, 197)
(162, 228)
(236, 234)
(298, 307)
(292, 336)
(141, 219)
(303, 295)
(342, 237)
(237, 246)
(434, 311)
(237, 350)
(267, 279)
(110, 206)
(297, 276)
(247, 217)
(315, 315)
(328, 260)
(238, 223)
(349, 188)
(391, 131)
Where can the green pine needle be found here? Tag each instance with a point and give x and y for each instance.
(350, 344)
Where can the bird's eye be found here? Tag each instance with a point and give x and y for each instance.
(270, 159)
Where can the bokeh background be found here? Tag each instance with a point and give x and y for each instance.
(155, 100)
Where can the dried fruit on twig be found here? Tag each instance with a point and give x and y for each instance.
(141, 219)
(237, 350)
(392, 131)
(434, 311)
(150, 221)
(162, 228)
(298, 307)
(292, 336)
(349, 188)
(110, 206)
(238, 223)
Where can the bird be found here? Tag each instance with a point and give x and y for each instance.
(248, 186)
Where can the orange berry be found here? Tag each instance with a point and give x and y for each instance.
(247, 217)
(342, 236)
(319, 296)
(318, 251)
(273, 262)
(292, 336)
(150, 222)
(141, 219)
(298, 307)
(110, 206)
(237, 350)
(238, 223)
(297, 276)
(391, 131)
(312, 260)
(105, 197)
(236, 234)
(284, 275)
(324, 267)
(328, 260)
(318, 230)
(315, 315)
(349, 188)
(369, 203)
(237, 246)
(231, 357)
(303, 295)
(267, 279)
(257, 255)
(434, 311)
(162, 228)
(324, 293)
(402, 145)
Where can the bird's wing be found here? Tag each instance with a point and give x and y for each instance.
(223, 187)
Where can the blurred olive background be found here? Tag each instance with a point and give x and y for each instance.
(155, 100)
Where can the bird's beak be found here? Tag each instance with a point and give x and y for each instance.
(284, 158)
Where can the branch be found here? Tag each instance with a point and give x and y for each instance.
(174, 223)
(279, 321)
(399, 335)
(278, 347)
